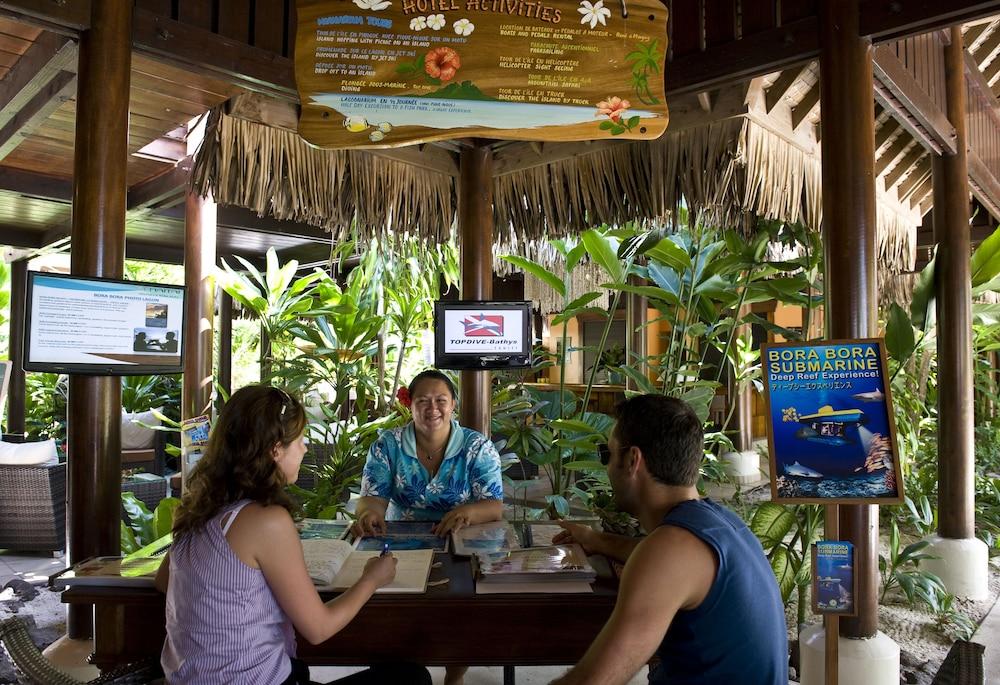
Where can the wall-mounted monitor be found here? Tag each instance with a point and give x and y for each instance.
(473, 334)
(102, 326)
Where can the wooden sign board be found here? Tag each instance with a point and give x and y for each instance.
(830, 424)
(386, 73)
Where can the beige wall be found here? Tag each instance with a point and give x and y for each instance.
(574, 370)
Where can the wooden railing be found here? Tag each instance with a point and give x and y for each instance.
(922, 57)
(265, 24)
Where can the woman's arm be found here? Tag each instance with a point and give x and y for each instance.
(163, 574)
(269, 535)
(370, 516)
(469, 515)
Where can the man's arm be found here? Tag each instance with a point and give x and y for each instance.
(617, 547)
(670, 570)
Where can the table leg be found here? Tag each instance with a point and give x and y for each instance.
(508, 675)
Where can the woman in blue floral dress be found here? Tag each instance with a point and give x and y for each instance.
(431, 469)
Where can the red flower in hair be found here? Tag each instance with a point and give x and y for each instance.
(403, 395)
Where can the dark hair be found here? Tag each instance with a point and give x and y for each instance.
(432, 375)
(238, 463)
(667, 432)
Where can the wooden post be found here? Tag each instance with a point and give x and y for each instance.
(636, 349)
(199, 260)
(16, 389)
(744, 397)
(956, 515)
(475, 228)
(849, 245)
(225, 346)
(98, 249)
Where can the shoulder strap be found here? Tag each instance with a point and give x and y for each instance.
(232, 514)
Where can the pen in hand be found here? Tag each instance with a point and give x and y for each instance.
(385, 550)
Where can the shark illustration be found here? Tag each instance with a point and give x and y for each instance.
(798, 469)
(875, 395)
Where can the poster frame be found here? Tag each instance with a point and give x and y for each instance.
(891, 418)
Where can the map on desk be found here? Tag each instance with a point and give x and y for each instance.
(403, 535)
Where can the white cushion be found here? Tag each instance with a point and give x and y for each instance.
(134, 436)
(28, 453)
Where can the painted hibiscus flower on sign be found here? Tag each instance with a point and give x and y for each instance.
(615, 109)
(442, 64)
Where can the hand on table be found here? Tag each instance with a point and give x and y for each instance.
(454, 520)
(583, 535)
(369, 522)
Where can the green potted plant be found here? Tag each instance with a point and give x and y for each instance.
(610, 362)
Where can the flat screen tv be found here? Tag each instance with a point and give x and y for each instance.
(102, 326)
(474, 334)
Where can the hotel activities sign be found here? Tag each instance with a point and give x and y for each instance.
(385, 73)
(831, 430)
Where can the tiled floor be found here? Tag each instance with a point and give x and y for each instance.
(32, 567)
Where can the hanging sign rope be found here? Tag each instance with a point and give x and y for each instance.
(385, 73)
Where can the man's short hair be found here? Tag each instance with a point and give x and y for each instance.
(668, 433)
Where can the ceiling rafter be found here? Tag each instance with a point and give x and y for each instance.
(806, 106)
(777, 91)
(904, 167)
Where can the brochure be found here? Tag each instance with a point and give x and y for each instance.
(535, 564)
(334, 565)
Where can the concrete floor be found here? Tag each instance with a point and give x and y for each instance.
(989, 636)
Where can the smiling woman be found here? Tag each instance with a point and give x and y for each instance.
(432, 469)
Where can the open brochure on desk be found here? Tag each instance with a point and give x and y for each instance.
(137, 569)
(334, 566)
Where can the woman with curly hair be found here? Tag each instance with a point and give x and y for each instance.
(235, 577)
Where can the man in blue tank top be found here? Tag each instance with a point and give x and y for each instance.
(697, 591)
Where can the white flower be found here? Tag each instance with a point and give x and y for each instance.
(436, 21)
(435, 488)
(464, 27)
(418, 23)
(592, 14)
(375, 5)
(400, 481)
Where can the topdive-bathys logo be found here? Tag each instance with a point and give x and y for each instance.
(483, 326)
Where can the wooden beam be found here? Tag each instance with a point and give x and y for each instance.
(258, 70)
(889, 156)
(985, 186)
(888, 21)
(780, 87)
(914, 108)
(161, 191)
(47, 57)
(904, 167)
(201, 51)
(922, 192)
(885, 132)
(232, 217)
(976, 32)
(978, 80)
(921, 172)
(806, 106)
(987, 50)
(34, 185)
(36, 111)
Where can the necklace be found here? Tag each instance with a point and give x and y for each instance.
(430, 454)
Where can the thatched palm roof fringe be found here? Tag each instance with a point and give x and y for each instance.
(727, 173)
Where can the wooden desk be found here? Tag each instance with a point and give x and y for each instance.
(450, 624)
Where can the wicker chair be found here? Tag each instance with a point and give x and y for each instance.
(32, 666)
(33, 507)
